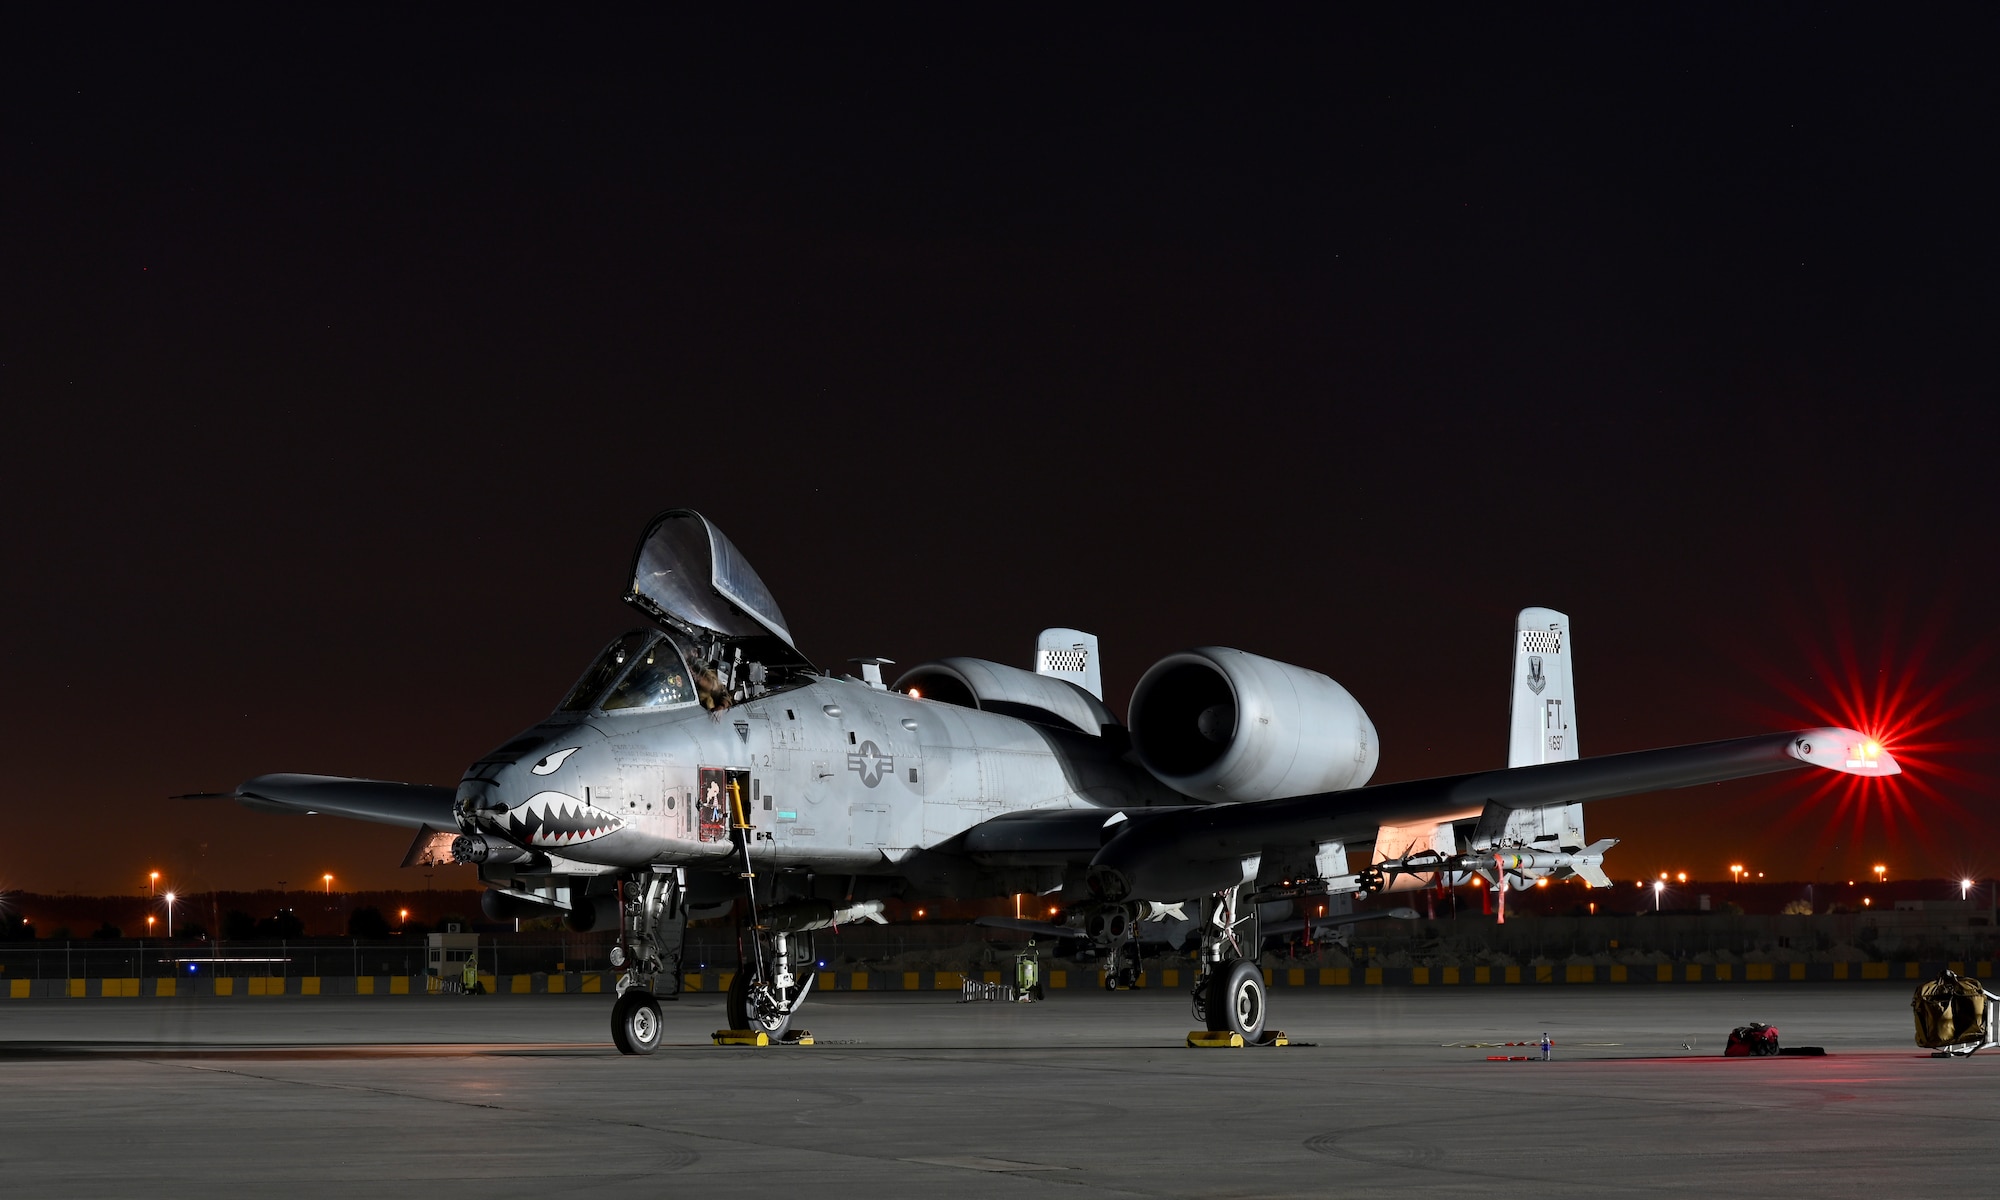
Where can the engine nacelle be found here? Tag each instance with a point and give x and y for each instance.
(995, 687)
(1219, 724)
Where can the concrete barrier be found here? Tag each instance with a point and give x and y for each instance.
(589, 983)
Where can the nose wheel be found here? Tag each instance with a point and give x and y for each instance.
(635, 1022)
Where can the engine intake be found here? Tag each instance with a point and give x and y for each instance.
(1219, 724)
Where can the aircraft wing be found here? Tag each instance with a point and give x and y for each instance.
(1297, 924)
(1184, 851)
(411, 804)
(1045, 929)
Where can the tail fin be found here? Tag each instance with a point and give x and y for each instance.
(1070, 654)
(1542, 729)
(1543, 709)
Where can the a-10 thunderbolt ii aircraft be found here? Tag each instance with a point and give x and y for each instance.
(704, 765)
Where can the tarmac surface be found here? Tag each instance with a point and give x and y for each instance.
(1084, 1094)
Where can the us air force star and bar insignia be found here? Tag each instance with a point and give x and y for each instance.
(870, 763)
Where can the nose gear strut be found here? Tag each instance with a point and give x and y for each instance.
(652, 927)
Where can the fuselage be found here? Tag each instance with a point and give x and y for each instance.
(833, 775)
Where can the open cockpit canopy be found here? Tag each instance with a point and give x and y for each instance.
(689, 577)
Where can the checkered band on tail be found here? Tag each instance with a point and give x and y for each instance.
(1541, 641)
(1065, 662)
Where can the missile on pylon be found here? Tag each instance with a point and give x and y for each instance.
(1586, 864)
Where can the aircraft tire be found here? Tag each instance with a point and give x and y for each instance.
(1236, 1000)
(635, 1022)
(737, 1006)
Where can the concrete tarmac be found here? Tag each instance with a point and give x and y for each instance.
(1085, 1094)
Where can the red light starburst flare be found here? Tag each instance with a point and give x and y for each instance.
(1902, 699)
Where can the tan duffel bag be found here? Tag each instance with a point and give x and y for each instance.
(1954, 1014)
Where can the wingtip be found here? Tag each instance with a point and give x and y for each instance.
(1848, 751)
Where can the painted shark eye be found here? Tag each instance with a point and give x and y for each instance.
(550, 762)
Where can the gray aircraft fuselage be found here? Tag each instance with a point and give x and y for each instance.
(836, 776)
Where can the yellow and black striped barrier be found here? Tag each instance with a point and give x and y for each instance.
(605, 982)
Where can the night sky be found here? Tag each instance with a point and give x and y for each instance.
(344, 356)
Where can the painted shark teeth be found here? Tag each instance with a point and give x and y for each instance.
(556, 819)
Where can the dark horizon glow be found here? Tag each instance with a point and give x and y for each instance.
(347, 354)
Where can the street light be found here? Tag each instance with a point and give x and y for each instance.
(1881, 873)
(153, 883)
(170, 914)
(1965, 889)
(1659, 885)
(1736, 872)
(329, 882)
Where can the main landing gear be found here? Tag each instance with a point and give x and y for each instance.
(1228, 993)
(767, 991)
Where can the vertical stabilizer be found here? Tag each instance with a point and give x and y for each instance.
(1070, 654)
(1542, 713)
(1541, 729)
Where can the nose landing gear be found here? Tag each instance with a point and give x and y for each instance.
(635, 1022)
(654, 924)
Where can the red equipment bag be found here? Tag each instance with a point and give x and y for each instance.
(1756, 1040)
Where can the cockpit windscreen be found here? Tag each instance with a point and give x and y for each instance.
(608, 667)
(658, 680)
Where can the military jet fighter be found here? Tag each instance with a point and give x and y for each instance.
(704, 764)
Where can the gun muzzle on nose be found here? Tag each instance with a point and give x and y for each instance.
(469, 849)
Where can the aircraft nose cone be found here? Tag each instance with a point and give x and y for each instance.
(476, 796)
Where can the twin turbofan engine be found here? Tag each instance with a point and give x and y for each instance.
(1219, 724)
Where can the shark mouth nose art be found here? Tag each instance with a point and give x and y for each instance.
(555, 819)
